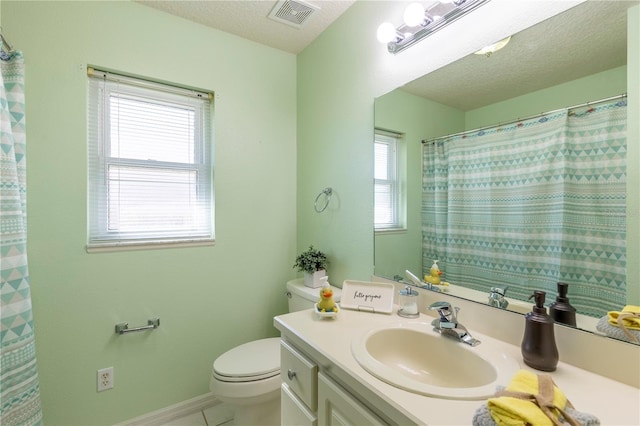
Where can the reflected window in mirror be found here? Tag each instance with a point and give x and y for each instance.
(389, 199)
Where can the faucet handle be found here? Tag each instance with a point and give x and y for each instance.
(440, 305)
(499, 291)
(448, 314)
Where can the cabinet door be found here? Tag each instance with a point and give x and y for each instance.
(338, 408)
(293, 411)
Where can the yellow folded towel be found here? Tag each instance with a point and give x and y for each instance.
(628, 318)
(529, 399)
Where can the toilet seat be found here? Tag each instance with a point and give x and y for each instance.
(252, 361)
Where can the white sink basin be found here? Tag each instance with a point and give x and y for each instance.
(415, 358)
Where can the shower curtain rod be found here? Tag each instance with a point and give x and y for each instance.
(542, 114)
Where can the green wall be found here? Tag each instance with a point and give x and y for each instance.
(209, 299)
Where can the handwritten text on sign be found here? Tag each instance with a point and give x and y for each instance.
(368, 298)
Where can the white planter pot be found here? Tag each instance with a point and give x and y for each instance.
(313, 280)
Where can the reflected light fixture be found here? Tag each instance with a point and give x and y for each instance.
(421, 21)
(414, 15)
(387, 33)
(492, 48)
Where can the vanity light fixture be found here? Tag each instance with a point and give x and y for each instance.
(421, 21)
(492, 48)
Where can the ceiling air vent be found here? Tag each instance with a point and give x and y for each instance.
(293, 12)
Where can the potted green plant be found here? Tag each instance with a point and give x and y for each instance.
(313, 263)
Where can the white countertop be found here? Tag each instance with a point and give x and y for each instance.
(328, 341)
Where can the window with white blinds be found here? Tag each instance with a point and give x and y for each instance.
(386, 185)
(150, 165)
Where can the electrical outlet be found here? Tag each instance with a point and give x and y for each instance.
(105, 379)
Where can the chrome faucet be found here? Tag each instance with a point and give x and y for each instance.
(496, 297)
(447, 324)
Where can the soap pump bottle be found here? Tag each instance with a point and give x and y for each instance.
(538, 347)
(561, 310)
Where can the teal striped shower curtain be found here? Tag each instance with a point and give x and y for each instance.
(530, 204)
(19, 389)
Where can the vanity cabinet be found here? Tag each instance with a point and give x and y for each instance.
(347, 394)
(311, 398)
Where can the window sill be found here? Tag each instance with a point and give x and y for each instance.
(111, 247)
(385, 231)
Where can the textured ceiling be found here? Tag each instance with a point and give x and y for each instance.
(249, 19)
(584, 40)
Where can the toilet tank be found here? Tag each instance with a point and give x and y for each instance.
(302, 297)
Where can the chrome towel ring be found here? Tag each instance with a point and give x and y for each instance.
(325, 201)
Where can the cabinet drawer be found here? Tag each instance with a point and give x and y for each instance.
(294, 412)
(300, 374)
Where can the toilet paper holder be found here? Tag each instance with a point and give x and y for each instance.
(123, 327)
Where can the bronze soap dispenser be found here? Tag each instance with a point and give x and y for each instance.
(539, 348)
(561, 310)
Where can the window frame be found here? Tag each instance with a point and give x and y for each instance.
(103, 86)
(394, 181)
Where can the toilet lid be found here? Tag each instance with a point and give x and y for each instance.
(251, 361)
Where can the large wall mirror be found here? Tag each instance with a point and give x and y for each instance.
(576, 57)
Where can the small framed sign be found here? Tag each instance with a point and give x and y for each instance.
(367, 296)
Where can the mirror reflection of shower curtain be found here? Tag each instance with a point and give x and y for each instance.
(530, 204)
(19, 390)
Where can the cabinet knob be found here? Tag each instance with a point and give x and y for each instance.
(291, 374)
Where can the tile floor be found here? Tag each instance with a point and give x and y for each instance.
(214, 416)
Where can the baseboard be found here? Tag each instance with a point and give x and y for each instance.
(176, 411)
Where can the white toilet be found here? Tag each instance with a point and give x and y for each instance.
(247, 377)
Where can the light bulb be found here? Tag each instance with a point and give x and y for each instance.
(387, 32)
(492, 48)
(414, 15)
